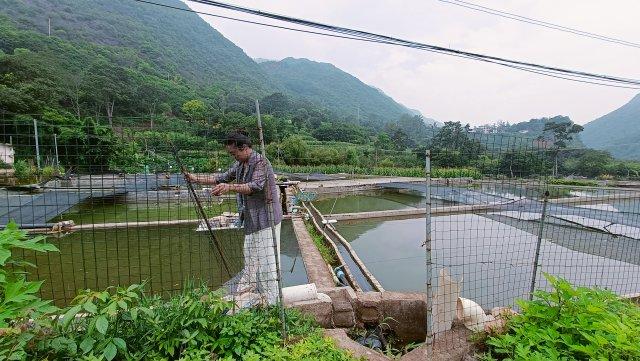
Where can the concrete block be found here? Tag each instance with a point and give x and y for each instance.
(369, 308)
(320, 309)
(343, 314)
(409, 314)
(339, 293)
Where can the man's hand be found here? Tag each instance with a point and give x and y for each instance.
(221, 189)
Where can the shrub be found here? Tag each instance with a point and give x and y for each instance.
(18, 301)
(23, 170)
(570, 323)
(573, 182)
(49, 172)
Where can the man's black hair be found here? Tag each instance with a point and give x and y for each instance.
(239, 138)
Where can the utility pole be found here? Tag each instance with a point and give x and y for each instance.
(49, 26)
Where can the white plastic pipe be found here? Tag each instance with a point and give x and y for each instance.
(300, 293)
(471, 314)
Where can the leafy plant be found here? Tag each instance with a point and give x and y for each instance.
(52, 171)
(101, 324)
(570, 323)
(22, 313)
(189, 321)
(121, 323)
(23, 170)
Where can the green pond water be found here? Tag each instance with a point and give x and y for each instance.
(113, 210)
(164, 257)
(372, 201)
(494, 260)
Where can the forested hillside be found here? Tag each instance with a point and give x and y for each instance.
(136, 58)
(116, 78)
(120, 56)
(337, 90)
(176, 43)
(617, 132)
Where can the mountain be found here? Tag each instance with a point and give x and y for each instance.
(176, 42)
(617, 132)
(335, 89)
(125, 58)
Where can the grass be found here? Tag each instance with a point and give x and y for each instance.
(573, 182)
(466, 172)
(325, 251)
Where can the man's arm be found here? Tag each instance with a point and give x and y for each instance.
(258, 180)
(225, 177)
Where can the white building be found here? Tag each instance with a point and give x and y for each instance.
(7, 153)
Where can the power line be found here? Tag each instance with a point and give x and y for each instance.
(413, 44)
(351, 34)
(545, 24)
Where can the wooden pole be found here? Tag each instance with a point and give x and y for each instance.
(276, 249)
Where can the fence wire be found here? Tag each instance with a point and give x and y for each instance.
(113, 200)
(494, 205)
(508, 228)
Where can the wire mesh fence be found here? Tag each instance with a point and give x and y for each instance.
(112, 198)
(116, 202)
(503, 232)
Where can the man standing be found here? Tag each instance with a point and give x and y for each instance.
(256, 188)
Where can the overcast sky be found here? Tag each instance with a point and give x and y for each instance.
(452, 89)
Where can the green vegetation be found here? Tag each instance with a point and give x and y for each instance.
(617, 132)
(325, 251)
(570, 323)
(117, 79)
(573, 182)
(341, 92)
(124, 324)
(24, 170)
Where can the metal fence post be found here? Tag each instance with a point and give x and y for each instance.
(534, 272)
(276, 250)
(427, 244)
(55, 145)
(35, 130)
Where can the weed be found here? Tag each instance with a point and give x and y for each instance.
(570, 323)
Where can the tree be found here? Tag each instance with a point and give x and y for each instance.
(108, 84)
(591, 163)
(276, 104)
(294, 150)
(452, 146)
(340, 132)
(521, 163)
(562, 133)
(195, 110)
(415, 128)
